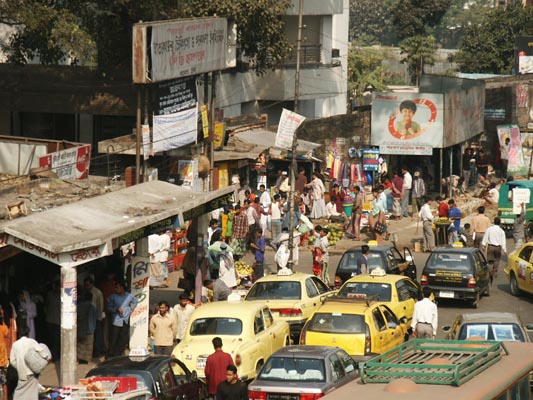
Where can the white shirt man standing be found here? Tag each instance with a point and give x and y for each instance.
(425, 317)
(266, 202)
(426, 216)
(494, 243)
(183, 311)
(406, 190)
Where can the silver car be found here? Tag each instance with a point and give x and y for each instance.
(296, 372)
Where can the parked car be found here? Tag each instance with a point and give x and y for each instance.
(488, 326)
(460, 273)
(303, 372)
(291, 298)
(385, 257)
(248, 332)
(167, 378)
(520, 269)
(399, 292)
(361, 327)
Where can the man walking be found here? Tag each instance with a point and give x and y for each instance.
(425, 317)
(426, 216)
(419, 192)
(163, 329)
(354, 227)
(362, 260)
(232, 388)
(215, 367)
(455, 215)
(494, 243)
(397, 191)
(519, 234)
(479, 225)
(120, 304)
(406, 190)
(504, 156)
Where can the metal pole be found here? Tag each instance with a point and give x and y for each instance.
(450, 189)
(292, 206)
(146, 121)
(138, 135)
(298, 48)
(69, 280)
(212, 129)
(440, 172)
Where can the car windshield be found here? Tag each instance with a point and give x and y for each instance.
(293, 369)
(275, 290)
(349, 261)
(449, 261)
(365, 289)
(492, 331)
(216, 326)
(336, 323)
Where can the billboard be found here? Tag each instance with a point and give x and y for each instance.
(407, 123)
(464, 111)
(71, 163)
(524, 54)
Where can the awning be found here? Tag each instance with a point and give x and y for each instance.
(80, 232)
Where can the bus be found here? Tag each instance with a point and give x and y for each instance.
(502, 375)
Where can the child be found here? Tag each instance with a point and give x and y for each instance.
(317, 253)
(259, 245)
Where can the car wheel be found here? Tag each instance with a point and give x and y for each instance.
(515, 291)
(258, 367)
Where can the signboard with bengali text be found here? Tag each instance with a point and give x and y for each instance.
(71, 163)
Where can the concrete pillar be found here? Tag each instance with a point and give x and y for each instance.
(69, 298)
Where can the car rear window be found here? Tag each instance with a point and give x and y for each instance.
(293, 369)
(492, 331)
(349, 261)
(275, 290)
(365, 289)
(450, 261)
(216, 326)
(337, 323)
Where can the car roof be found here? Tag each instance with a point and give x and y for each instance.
(228, 309)
(351, 306)
(379, 248)
(489, 317)
(389, 278)
(125, 363)
(459, 250)
(297, 276)
(307, 351)
(523, 183)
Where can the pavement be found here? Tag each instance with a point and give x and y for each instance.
(403, 233)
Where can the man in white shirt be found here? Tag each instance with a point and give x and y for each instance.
(266, 202)
(251, 214)
(183, 311)
(331, 211)
(504, 156)
(494, 243)
(406, 190)
(425, 317)
(284, 186)
(493, 196)
(426, 216)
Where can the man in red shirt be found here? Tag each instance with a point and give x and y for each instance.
(215, 367)
(443, 207)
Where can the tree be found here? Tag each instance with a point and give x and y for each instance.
(369, 22)
(418, 17)
(99, 31)
(489, 46)
(419, 50)
(365, 70)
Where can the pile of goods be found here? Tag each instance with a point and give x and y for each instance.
(336, 232)
(243, 269)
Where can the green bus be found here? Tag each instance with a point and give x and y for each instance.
(505, 206)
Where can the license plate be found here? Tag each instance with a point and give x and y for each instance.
(200, 362)
(447, 295)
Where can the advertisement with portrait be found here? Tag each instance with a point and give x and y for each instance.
(407, 123)
(517, 165)
(524, 54)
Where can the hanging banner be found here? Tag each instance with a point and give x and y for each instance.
(205, 121)
(146, 141)
(289, 122)
(140, 276)
(516, 163)
(220, 135)
(176, 95)
(175, 130)
(71, 163)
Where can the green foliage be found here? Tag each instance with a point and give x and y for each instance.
(419, 50)
(370, 22)
(489, 46)
(364, 69)
(418, 17)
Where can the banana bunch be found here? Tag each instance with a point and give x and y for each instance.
(442, 220)
(243, 269)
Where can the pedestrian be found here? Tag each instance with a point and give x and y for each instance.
(86, 325)
(425, 317)
(28, 312)
(215, 367)
(251, 214)
(98, 302)
(377, 219)
(275, 213)
(214, 225)
(301, 181)
(240, 233)
(182, 312)
(397, 191)
(279, 179)
(468, 162)
(306, 199)
(259, 247)
(226, 270)
(493, 195)
(284, 185)
(406, 190)
(482, 165)
(454, 214)
(494, 244)
(479, 225)
(443, 207)
(362, 260)
(220, 290)
(504, 155)
(318, 190)
(120, 304)
(331, 211)
(266, 203)
(232, 388)
(519, 234)
(354, 227)
(22, 351)
(53, 319)
(317, 252)
(324, 247)
(426, 216)
(419, 193)
(163, 329)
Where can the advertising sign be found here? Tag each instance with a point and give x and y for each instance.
(516, 164)
(71, 163)
(188, 47)
(175, 130)
(524, 54)
(140, 276)
(220, 135)
(176, 95)
(370, 159)
(289, 122)
(412, 120)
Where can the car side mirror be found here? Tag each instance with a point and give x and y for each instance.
(403, 320)
(194, 376)
(529, 327)
(446, 328)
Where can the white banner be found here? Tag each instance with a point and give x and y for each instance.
(288, 123)
(188, 47)
(175, 130)
(146, 141)
(71, 163)
(406, 149)
(140, 275)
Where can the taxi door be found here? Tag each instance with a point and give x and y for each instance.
(389, 331)
(408, 295)
(274, 330)
(524, 269)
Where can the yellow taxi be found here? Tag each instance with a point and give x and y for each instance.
(248, 332)
(361, 327)
(291, 297)
(399, 292)
(519, 269)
